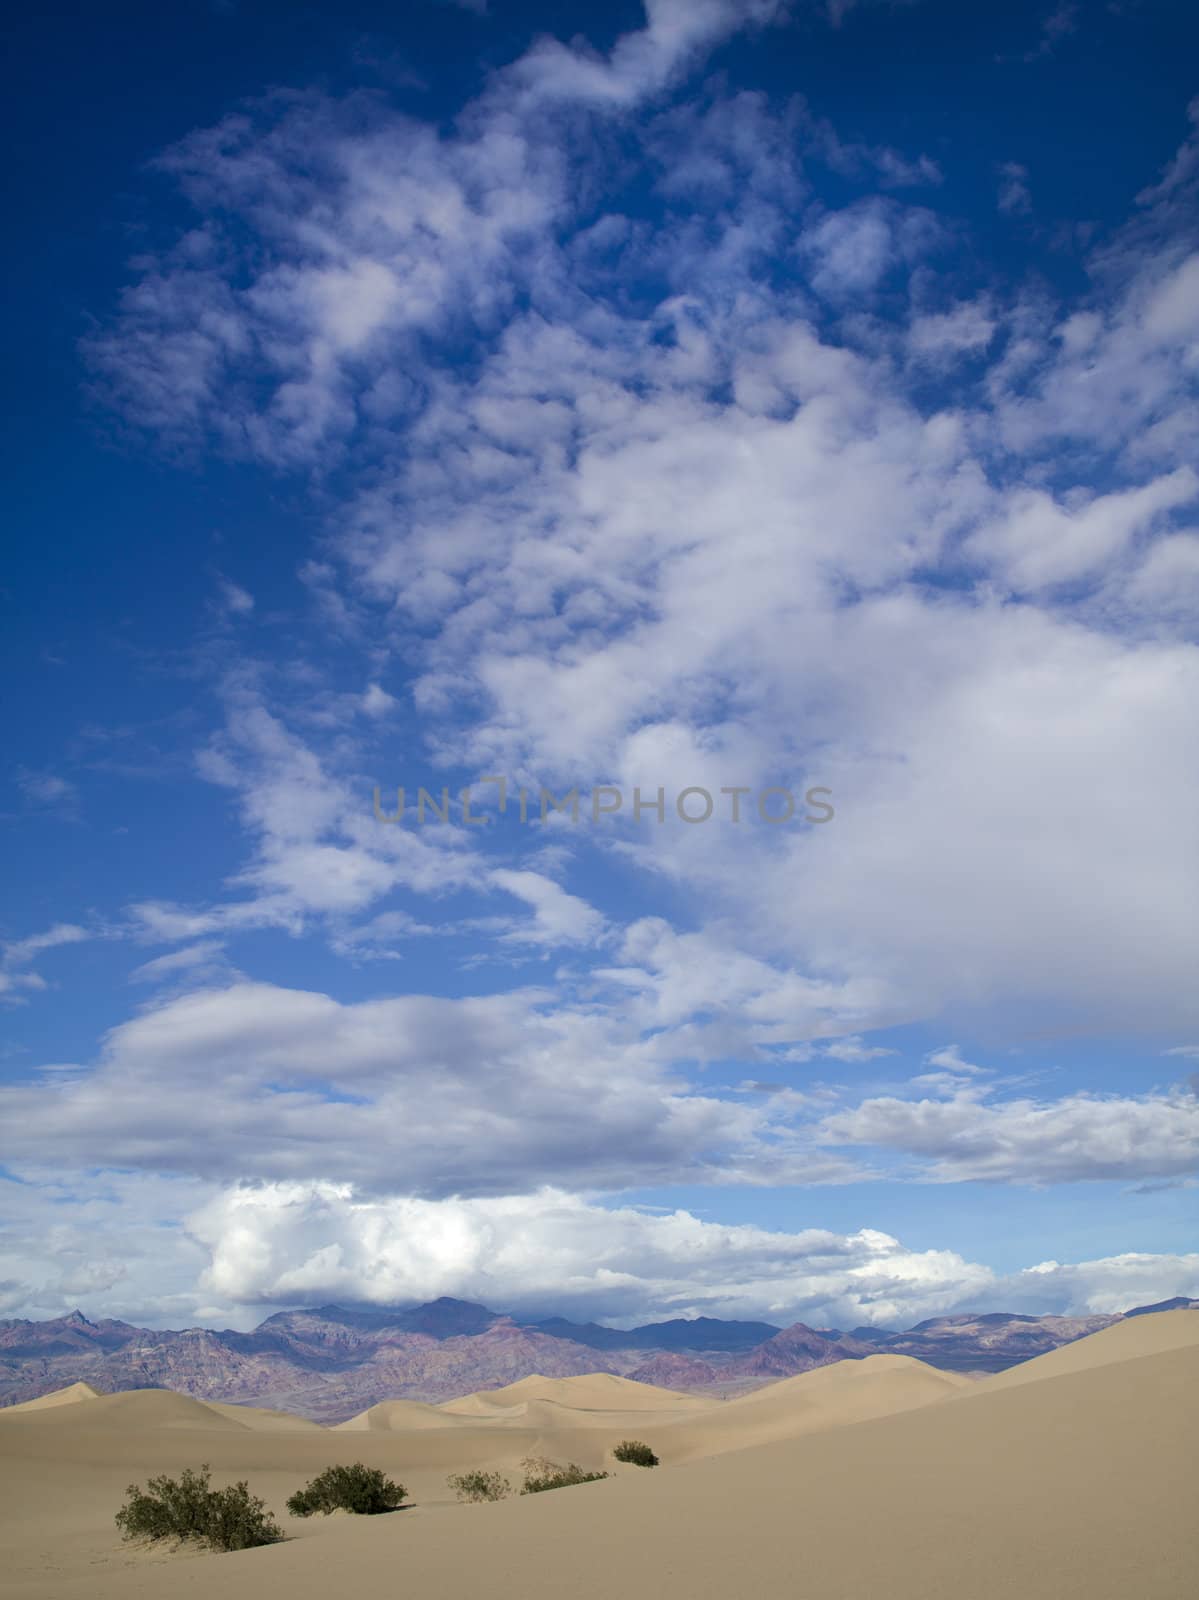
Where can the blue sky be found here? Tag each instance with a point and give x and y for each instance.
(721, 395)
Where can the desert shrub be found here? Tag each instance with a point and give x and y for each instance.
(360, 1489)
(541, 1474)
(479, 1485)
(636, 1453)
(187, 1508)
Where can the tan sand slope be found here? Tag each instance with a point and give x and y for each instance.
(401, 1416)
(1123, 1341)
(593, 1391)
(1079, 1486)
(262, 1418)
(138, 1409)
(71, 1395)
(828, 1397)
(595, 1400)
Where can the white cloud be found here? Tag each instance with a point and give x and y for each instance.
(16, 957)
(1079, 1137)
(751, 495)
(852, 1049)
(232, 1252)
(237, 601)
(1120, 376)
(559, 918)
(113, 1240)
(1015, 198)
(1038, 542)
(19, 951)
(1182, 170)
(556, 1250)
(942, 336)
(195, 963)
(717, 540)
(441, 1096)
(474, 1096)
(318, 851)
(676, 34)
(376, 702)
(853, 250)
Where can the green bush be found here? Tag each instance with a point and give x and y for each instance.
(479, 1485)
(636, 1453)
(186, 1508)
(360, 1489)
(541, 1474)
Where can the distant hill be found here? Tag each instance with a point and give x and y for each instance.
(696, 1333)
(1179, 1303)
(332, 1362)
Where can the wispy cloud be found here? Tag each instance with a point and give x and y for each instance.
(17, 956)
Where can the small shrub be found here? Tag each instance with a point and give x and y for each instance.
(363, 1490)
(479, 1485)
(541, 1474)
(635, 1453)
(187, 1508)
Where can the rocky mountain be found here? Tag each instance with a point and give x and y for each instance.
(696, 1333)
(332, 1361)
(670, 1370)
(798, 1349)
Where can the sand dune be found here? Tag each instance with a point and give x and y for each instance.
(594, 1391)
(71, 1395)
(1123, 1341)
(828, 1397)
(135, 1409)
(595, 1400)
(400, 1416)
(262, 1418)
(1077, 1482)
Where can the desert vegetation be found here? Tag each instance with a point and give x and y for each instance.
(357, 1488)
(541, 1474)
(187, 1507)
(478, 1486)
(635, 1453)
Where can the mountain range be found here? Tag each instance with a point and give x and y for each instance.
(330, 1362)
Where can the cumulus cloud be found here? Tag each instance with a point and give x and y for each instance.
(964, 1137)
(232, 1252)
(478, 1096)
(442, 1096)
(376, 702)
(559, 918)
(1038, 543)
(676, 33)
(554, 1248)
(292, 1243)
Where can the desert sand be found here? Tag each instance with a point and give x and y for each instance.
(1073, 1475)
(60, 1397)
